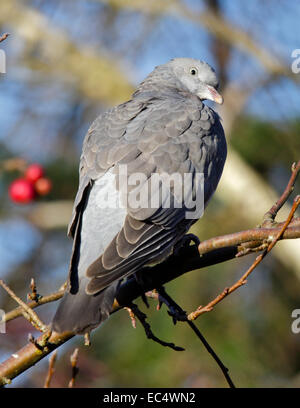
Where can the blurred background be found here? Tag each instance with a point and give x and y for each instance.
(69, 60)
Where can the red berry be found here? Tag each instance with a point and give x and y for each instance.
(21, 191)
(34, 172)
(43, 186)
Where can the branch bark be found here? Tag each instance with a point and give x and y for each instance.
(3, 37)
(188, 259)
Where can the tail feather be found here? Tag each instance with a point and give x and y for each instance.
(80, 313)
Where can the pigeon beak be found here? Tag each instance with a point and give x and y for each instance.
(213, 95)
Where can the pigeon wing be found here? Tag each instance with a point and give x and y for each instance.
(160, 136)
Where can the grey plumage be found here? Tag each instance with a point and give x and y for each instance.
(164, 127)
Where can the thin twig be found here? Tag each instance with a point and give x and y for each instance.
(223, 368)
(4, 36)
(179, 314)
(269, 217)
(28, 313)
(286, 223)
(42, 342)
(33, 295)
(75, 369)
(51, 370)
(13, 164)
(243, 280)
(52, 297)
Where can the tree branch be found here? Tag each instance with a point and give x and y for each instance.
(51, 370)
(227, 291)
(4, 36)
(178, 314)
(75, 369)
(271, 214)
(188, 259)
(27, 312)
(41, 301)
(210, 252)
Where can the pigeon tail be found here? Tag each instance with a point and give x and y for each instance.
(80, 313)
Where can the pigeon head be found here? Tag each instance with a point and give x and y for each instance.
(185, 75)
(197, 77)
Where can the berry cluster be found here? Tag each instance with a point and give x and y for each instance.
(23, 190)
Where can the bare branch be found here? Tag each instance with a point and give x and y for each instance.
(27, 312)
(218, 249)
(257, 235)
(41, 301)
(29, 355)
(4, 36)
(178, 314)
(188, 258)
(243, 280)
(51, 370)
(13, 164)
(271, 214)
(33, 295)
(75, 369)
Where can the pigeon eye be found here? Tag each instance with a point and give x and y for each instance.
(193, 71)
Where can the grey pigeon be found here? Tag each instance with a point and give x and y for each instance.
(165, 128)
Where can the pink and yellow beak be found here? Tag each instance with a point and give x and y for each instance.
(214, 95)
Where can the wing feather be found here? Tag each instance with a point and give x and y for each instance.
(152, 136)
